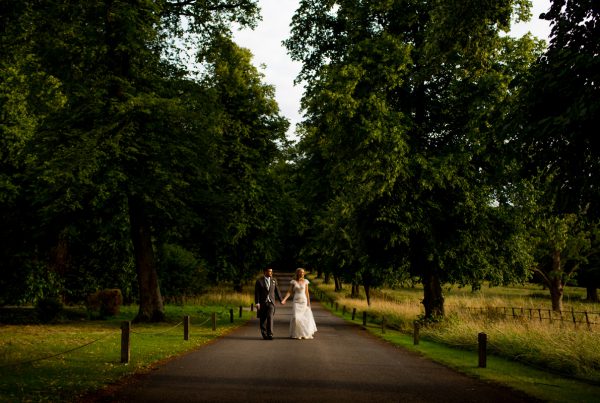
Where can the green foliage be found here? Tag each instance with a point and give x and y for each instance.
(402, 101)
(48, 309)
(109, 139)
(242, 221)
(550, 140)
(180, 273)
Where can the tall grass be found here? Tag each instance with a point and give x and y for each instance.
(556, 346)
(218, 295)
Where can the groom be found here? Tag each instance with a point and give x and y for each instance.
(265, 291)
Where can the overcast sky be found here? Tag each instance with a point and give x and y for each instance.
(265, 43)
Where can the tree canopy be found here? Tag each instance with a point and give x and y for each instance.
(140, 147)
(127, 149)
(403, 102)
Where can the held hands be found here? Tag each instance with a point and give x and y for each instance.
(283, 301)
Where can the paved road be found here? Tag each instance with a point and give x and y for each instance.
(342, 364)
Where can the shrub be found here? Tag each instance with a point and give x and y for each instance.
(180, 273)
(48, 309)
(105, 302)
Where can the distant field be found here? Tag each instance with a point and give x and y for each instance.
(561, 346)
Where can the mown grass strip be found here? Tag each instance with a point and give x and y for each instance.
(42, 363)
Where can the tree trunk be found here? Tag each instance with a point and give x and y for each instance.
(326, 280)
(433, 300)
(368, 293)
(555, 283)
(338, 283)
(151, 303)
(592, 293)
(355, 291)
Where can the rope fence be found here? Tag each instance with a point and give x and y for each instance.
(126, 331)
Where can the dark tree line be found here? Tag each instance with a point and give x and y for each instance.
(112, 147)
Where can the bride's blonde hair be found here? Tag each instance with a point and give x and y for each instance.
(298, 272)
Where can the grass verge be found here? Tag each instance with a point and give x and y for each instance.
(64, 361)
(540, 384)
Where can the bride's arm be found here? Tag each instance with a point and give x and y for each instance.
(287, 294)
(307, 295)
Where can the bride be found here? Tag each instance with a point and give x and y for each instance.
(302, 325)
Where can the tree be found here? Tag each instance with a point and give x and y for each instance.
(28, 96)
(244, 224)
(401, 101)
(552, 133)
(563, 244)
(125, 141)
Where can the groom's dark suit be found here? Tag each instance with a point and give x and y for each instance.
(265, 296)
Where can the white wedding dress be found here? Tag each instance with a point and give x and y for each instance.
(302, 325)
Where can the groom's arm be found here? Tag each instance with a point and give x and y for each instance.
(257, 295)
(277, 292)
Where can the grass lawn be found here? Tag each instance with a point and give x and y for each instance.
(553, 362)
(65, 360)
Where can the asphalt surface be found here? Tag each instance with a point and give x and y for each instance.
(343, 363)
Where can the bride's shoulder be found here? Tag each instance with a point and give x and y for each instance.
(292, 281)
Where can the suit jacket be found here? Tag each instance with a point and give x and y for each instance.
(261, 292)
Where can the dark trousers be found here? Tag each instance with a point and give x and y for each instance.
(265, 314)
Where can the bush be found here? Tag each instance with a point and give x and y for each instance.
(180, 273)
(48, 309)
(105, 302)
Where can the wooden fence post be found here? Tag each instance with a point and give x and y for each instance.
(186, 327)
(125, 342)
(482, 342)
(416, 332)
(587, 320)
(231, 315)
(365, 318)
(240, 311)
(383, 324)
(252, 307)
(214, 321)
(353, 313)
(344, 310)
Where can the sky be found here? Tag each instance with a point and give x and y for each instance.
(280, 71)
